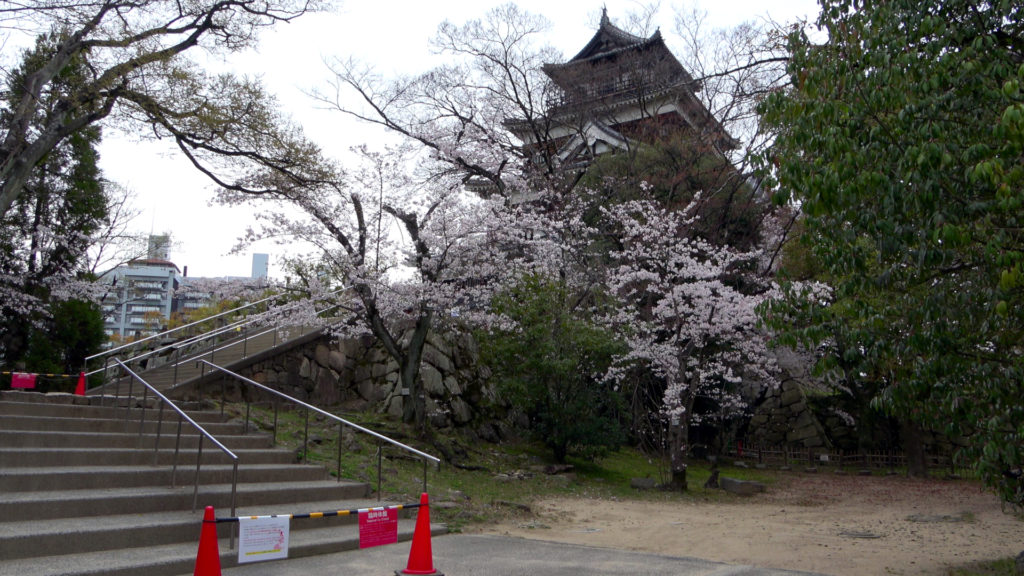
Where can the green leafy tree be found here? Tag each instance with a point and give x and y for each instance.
(72, 331)
(45, 235)
(902, 141)
(550, 365)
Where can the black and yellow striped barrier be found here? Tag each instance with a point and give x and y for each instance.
(37, 374)
(355, 511)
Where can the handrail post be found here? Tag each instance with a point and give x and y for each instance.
(159, 425)
(174, 462)
(142, 413)
(305, 441)
(127, 402)
(276, 405)
(195, 489)
(106, 378)
(380, 462)
(177, 361)
(424, 475)
(245, 426)
(341, 429)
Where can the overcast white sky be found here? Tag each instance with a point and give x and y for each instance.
(393, 36)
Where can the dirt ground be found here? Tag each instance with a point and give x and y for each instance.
(841, 525)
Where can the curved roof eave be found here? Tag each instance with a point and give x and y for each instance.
(610, 34)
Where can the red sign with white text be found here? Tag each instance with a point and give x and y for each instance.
(378, 527)
(23, 380)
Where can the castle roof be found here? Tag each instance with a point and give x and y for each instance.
(608, 43)
(616, 79)
(610, 38)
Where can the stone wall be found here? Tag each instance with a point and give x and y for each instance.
(800, 411)
(785, 417)
(357, 374)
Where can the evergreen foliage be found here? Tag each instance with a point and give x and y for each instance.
(550, 364)
(45, 235)
(73, 331)
(902, 141)
(671, 170)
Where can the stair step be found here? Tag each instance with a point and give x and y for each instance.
(96, 477)
(169, 424)
(68, 456)
(85, 493)
(178, 559)
(26, 539)
(73, 503)
(62, 439)
(68, 406)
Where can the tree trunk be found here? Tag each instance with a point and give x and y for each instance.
(408, 357)
(679, 441)
(414, 403)
(412, 390)
(560, 452)
(678, 446)
(712, 481)
(913, 446)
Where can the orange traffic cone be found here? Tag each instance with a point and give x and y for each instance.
(421, 557)
(208, 557)
(80, 389)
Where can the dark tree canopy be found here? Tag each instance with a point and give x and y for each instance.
(902, 141)
(551, 366)
(45, 234)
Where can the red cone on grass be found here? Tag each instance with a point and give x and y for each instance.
(80, 389)
(421, 557)
(208, 557)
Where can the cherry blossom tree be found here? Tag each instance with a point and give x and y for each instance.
(463, 111)
(461, 114)
(409, 249)
(688, 312)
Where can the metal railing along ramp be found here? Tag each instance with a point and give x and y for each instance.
(233, 338)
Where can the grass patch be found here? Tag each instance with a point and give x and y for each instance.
(1003, 567)
(482, 483)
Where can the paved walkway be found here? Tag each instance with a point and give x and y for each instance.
(469, 555)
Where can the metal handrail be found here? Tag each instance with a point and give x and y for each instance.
(244, 340)
(173, 330)
(341, 421)
(182, 416)
(176, 347)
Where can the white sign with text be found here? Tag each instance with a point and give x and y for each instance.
(262, 538)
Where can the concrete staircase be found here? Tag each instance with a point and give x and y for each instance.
(84, 492)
